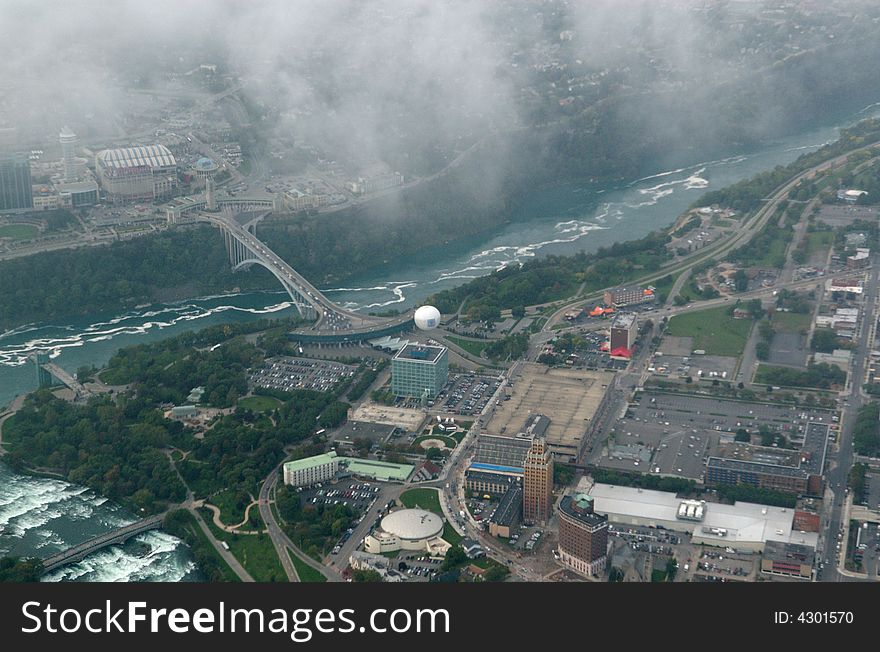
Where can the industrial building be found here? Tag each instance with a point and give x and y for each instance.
(742, 526)
(137, 173)
(624, 330)
(583, 535)
(15, 182)
(419, 370)
(508, 514)
(502, 450)
(408, 529)
(311, 470)
(778, 477)
(788, 559)
(538, 483)
(632, 296)
(491, 479)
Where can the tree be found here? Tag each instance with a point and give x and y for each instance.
(434, 453)
(496, 573)
(455, 557)
(366, 576)
(742, 435)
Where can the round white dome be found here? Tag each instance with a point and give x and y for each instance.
(413, 524)
(427, 318)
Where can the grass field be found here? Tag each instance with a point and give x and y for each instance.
(425, 498)
(819, 240)
(472, 347)
(429, 499)
(193, 527)
(255, 552)
(259, 403)
(225, 500)
(19, 231)
(714, 331)
(791, 322)
(306, 573)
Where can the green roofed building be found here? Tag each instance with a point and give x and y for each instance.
(383, 471)
(310, 470)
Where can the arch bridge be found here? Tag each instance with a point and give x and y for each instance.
(245, 249)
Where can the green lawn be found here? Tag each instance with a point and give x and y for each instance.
(255, 552)
(259, 403)
(230, 513)
(306, 573)
(19, 231)
(472, 347)
(819, 240)
(428, 499)
(208, 548)
(714, 331)
(791, 322)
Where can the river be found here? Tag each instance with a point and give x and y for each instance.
(41, 516)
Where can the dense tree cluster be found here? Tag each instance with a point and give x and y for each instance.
(241, 449)
(73, 282)
(816, 376)
(866, 430)
(314, 528)
(20, 569)
(547, 279)
(114, 447)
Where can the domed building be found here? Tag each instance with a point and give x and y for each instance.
(408, 529)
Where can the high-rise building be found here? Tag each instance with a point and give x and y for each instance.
(583, 535)
(16, 192)
(538, 483)
(69, 143)
(418, 370)
(623, 332)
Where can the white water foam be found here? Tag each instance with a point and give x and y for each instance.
(147, 557)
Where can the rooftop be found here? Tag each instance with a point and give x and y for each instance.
(790, 552)
(741, 522)
(413, 524)
(580, 508)
(309, 462)
(420, 352)
(377, 469)
(155, 156)
(623, 321)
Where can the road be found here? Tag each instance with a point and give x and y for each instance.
(718, 249)
(836, 477)
(280, 539)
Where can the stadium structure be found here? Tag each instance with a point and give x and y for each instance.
(143, 173)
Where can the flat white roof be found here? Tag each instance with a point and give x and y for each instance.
(744, 522)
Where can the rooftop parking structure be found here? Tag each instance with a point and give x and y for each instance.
(467, 394)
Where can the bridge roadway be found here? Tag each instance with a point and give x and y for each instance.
(82, 550)
(246, 249)
(78, 388)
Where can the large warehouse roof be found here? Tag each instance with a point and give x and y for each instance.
(413, 524)
(722, 524)
(155, 156)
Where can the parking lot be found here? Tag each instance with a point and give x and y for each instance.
(698, 367)
(288, 374)
(674, 434)
(358, 496)
(725, 564)
(467, 394)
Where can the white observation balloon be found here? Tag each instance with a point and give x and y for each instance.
(427, 318)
